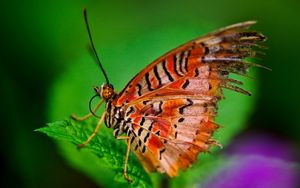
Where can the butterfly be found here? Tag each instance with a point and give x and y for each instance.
(166, 112)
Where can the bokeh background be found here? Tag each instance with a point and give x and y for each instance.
(41, 40)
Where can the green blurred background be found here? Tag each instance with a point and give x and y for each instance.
(42, 39)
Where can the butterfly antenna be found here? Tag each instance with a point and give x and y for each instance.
(92, 44)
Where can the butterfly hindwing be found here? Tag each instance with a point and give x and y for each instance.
(171, 132)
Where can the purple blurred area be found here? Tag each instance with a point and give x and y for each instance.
(258, 160)
(265, 145)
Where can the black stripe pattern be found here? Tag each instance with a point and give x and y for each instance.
(157, 75)
(171, 79)
(139, 89)
(177, 64)
(185, 84)
(158, 109)
(147, 79)
(190, 103)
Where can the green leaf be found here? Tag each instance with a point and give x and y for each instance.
(108, 156)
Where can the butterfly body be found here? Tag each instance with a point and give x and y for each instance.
(167, 110)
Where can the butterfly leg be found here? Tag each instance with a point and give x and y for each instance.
(126, 157)
(93, 134)
(76, 118)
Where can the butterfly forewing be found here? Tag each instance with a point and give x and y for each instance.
(169, 107)
(226, 47)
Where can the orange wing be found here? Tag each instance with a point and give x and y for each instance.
(169, 132)
(225, 47)
(171, 104)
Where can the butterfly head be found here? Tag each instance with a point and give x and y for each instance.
(106, 91)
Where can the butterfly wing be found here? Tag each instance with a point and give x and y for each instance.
(225, 47)
(169, 132)
(171, 104)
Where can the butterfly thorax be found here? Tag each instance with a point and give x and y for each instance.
(115, 118)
